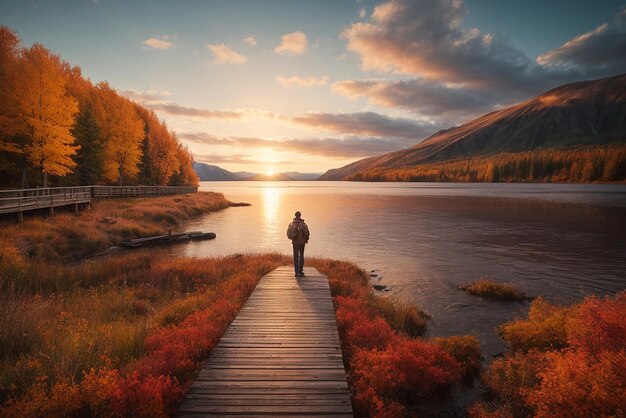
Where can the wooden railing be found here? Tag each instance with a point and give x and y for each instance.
(19, 201)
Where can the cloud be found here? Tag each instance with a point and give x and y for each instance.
(362, 13)
(347, 147)
(225, 114)
(177, 110)
(423, 97)
(424, 38)
(161, 42)
(146, 96)
(250, 40)
(367, 123)
(294, 43)
(602, 49)
(457, 72)
(223, 54)
(297, 81)
(364, 123)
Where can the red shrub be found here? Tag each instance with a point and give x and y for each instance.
(599, 325)
(369, 334)
(405, 370)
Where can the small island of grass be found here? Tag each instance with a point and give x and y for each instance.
(491, 289)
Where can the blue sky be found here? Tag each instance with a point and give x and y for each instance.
(311, 85)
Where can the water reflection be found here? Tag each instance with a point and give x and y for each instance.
(562, 241)
(271, 198)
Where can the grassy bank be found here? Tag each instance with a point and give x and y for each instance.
(33, 254)
(71, 236)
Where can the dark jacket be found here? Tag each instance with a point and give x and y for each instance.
(302, 236)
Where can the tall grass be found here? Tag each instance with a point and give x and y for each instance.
(148, 327)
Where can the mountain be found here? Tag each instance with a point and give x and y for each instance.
(208, 172)
(586, 112)
(290, 175)
(267, 177)
(295, 175)
(244, 175)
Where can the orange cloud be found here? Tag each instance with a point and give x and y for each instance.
(161, 42)
(223, 54)
(295, 43)
(297, 81)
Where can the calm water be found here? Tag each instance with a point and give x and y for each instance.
(561, 241)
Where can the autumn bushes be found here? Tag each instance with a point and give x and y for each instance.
(390, 372)
(564, 361)
(126, 347)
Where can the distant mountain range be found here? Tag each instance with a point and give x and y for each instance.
(207, 172)
(586, 112)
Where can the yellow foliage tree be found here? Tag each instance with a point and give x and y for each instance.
(9, 43)
(122, 130)
(47, 110)
(162, 151)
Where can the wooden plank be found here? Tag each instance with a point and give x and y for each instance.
(280, 356)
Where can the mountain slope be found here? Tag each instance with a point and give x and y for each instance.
(207, 172)
(587, 112)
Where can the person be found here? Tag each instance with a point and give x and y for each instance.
(298, 233)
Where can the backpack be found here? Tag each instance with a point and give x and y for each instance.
(292, 230)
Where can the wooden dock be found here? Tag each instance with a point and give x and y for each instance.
(280, 356)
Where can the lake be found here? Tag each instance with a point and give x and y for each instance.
(425, 239)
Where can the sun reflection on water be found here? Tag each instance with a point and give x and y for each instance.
(271, 197)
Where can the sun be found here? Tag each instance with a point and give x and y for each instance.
(270, 172)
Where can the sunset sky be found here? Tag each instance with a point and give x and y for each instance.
(311, 85)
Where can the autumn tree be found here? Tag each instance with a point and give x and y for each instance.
(185, 175)
(10, 125)
(122, 130)
(47, 110)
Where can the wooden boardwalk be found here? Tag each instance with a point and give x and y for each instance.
(280, 356)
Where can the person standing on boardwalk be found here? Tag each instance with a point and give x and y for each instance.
(298, 233)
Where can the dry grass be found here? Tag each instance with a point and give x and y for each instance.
(60, 337)
(491, 289)
(70, 236)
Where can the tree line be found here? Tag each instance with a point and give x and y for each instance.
(582, 164)
(57, 128)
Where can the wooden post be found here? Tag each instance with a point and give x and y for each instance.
(51, 206)
(76, 207)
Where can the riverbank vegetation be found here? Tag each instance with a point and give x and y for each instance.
(68, 236)
(561, 361)
(125, 339)
(492, 289)
(392, 371)
(583, 164)
(57, 127)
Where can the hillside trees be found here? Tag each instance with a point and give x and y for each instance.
(56, 125)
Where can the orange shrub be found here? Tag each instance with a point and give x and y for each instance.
(544, 328)
(599, 325)
(464, 349)
(585, 378)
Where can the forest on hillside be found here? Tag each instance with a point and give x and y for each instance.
(59, 129)
(583, 164)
